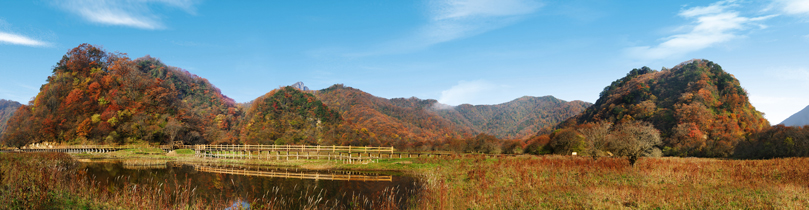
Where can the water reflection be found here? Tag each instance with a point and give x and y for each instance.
(239, 204)
(294, 173)
(250, 185)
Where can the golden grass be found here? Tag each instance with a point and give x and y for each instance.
(557, 182)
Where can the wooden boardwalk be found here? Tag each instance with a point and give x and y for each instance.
(347, 154)
(75, 149)
(350, 154)
(294, 175)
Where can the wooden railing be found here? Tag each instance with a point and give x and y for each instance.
(295, 175)
(86, 147)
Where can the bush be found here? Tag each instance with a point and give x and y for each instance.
(483, 143)
(565, 141)
(538, 145)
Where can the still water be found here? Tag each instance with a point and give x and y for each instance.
(238, 185)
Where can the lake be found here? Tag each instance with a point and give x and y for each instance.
(240, 185)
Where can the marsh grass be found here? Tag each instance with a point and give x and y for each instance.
(564, 182)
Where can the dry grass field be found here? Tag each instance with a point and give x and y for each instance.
(564, 182)
(44, 180)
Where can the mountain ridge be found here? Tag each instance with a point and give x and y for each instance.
(97, 97)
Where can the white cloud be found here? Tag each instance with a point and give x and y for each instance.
(711, 25)
(455, 19)
(472, 92)
(793, 7)
(16, 39)
(130, 13)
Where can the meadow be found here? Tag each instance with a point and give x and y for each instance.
(565, 182)
(47, 180)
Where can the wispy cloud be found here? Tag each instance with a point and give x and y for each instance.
(713, 24)
(130, 13)
(455, 19)
(16, 39)
(793, 7)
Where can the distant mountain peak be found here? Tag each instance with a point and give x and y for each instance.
(300, 86)
(800, 118)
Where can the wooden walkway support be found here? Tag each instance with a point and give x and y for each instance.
(77, 149)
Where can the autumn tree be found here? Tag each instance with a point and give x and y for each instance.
(634, 140)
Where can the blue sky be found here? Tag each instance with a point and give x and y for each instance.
(456, 51)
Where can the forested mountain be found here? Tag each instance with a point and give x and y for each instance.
(95, 97)
(7, 108)
(699, 109)
(289, 116)
(516, 119)
(428, 120)
(798, 119)
(395, 120)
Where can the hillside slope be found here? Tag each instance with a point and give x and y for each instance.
(7, 108)
(95, 97)
(392, 120)
(798, 119)
(700, 109)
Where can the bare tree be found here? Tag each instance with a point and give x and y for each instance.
(172, 128)
(634, 140)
